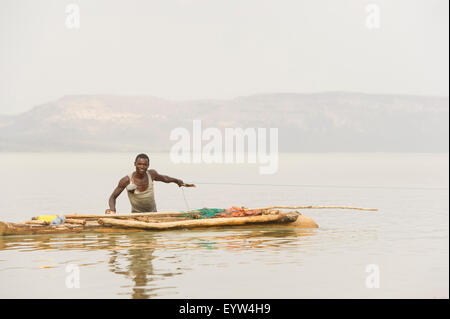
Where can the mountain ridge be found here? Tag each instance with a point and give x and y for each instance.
(307, 122)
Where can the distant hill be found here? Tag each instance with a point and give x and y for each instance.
(322, 122)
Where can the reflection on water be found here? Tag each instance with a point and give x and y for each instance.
(407, 237)
(140, 268)
(132, 255)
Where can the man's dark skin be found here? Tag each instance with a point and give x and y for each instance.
(140, 178)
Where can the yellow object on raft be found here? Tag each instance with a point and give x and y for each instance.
(47, 218)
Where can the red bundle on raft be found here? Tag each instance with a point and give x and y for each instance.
(240, 212)
(234, 211)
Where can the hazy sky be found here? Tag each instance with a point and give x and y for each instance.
(187, 49)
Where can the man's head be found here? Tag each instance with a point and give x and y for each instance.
(141, 163)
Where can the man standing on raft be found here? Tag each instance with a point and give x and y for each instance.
(139, 185)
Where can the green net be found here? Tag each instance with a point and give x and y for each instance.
(234, 211)
(203, 213)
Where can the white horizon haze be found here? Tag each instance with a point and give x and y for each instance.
(216, 49)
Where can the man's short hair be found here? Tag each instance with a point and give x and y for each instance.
(142, 155)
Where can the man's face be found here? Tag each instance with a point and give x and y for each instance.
(141, 165)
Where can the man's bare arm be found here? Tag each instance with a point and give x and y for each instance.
(163, 178)
(117, 191)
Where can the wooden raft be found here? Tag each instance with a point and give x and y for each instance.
(150, 221)
(229, 221)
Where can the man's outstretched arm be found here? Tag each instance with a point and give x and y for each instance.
(117, 191)
(166, 179)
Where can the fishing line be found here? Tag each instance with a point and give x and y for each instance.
(328, 186)
(184, 197)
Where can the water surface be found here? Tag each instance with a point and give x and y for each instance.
(407, 239)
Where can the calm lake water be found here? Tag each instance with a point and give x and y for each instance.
(405, 242)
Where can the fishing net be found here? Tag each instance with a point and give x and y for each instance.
(234, 211)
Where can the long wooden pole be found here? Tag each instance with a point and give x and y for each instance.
(182, 214)
(316, 207)
(281, 218)
(132, 215)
